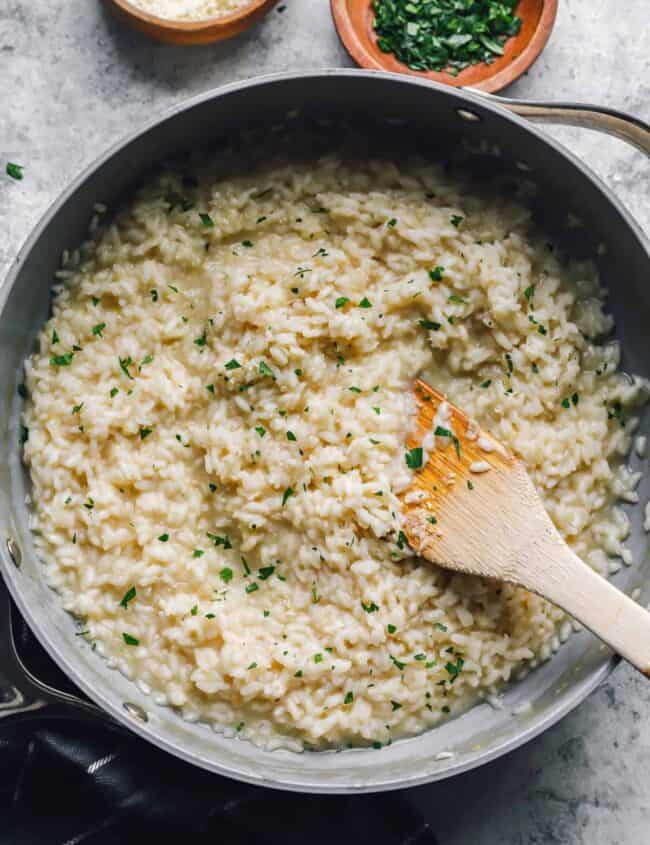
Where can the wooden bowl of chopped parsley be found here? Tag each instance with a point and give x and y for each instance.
(485, 44)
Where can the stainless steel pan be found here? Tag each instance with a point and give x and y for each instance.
(444, 120)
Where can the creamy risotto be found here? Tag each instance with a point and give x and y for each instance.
(217, 419)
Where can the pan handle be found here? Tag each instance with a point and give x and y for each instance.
(24, 693)
(617, 123)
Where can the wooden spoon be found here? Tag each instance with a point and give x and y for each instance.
(473, 508)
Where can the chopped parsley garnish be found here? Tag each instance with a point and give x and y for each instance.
(145, 432)
(252, 588)
(90, 504)
(395, 705)
(62, 360)
(436, 274)
(146, 360)
(349, 698)
(198, 553)
(444, 36)
(414, 458)
(430, 325)
(486, 383)
(575, 398)
(55, 337)
(566, 403)
(206, 219)
(365, 303)
(77, 408)
(194, 610)
(260, 430)
(432, 520)
(341, 301)
(291, 435)
(456, 220)
(370, 607)
(154, 295)
(458, 300)
(129, 640)
(265, 370)
(125, 363)
(401, 540)
(247, 569)
(392, 222)
(127, 597)
(202, 340)
(163, 538)
(252, 665)
(391, 629)
(98, 329)
(454, 668)
(542, 329)
(233, 364)
(15, 170)
(444, 432)
(401, 666)
(318, 658)
(114, 392)
(265, 572)
(210, 388)
(534, 367)
(286, 495)
(226, 575)
(219, 541)
(248, 244)
(440, 627)
(616, 412)
(528, 293)
(377, 411)
(355, 389)
(470, 486)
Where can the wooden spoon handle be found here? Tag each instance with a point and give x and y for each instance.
(600, 606)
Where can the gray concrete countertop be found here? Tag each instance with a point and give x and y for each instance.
(74, 80)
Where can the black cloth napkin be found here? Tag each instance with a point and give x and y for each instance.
(72, 782)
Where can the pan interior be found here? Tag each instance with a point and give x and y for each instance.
(412, 114)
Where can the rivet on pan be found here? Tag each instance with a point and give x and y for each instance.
(136, 711)
(14, 552)
(521, 165)
(468, 115)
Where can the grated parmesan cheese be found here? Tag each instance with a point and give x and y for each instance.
(190, 10)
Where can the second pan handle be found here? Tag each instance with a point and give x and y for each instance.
(617, 123)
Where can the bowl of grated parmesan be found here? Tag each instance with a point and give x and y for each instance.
(191, 21)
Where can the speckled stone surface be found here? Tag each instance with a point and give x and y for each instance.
(73, 81)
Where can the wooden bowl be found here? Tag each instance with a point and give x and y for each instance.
(354, 21)
(192, 32)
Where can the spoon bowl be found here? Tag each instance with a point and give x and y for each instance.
(471, 507)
